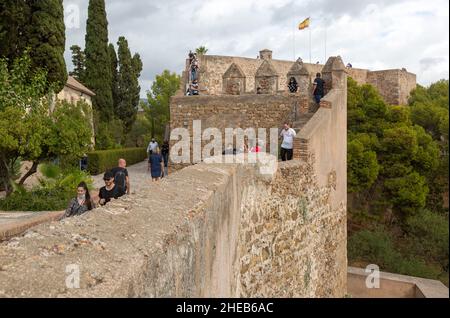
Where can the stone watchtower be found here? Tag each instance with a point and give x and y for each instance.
(333, 74)
(266, 78)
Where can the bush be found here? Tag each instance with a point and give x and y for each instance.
(54, 194)
(103, 160)
(42, 199)
(377, 247)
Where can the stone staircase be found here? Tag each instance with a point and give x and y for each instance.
(302, 119)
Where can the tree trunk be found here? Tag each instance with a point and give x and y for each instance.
(4, 176)
(29, 173)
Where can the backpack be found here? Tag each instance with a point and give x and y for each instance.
(120, 179)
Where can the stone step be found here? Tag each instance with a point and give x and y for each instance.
(304, 118)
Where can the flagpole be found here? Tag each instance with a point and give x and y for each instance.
(325, 44)
(310, 41)
(293, 33)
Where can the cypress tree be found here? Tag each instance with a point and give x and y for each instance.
(137, 69)
(98, 68)
(46, 38)
(79, 62)
(128, 85)
(14, 18)
(114, 72)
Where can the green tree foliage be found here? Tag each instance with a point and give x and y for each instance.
(46, 38)
(397, 173)
(79, 62)
(115, 75)
(362, 166)
(201, 50)
(14, 17)
(98, 75)
(38, 26)
(35, 128)
(157, 110)
(429, 109)
(128, 84)
(140, 134)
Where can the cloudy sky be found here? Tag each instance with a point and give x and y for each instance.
(373, 34)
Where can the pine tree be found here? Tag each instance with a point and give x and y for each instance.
(46, 38)
(128, 84)
(98, 70)
(79, 62)
(114, 72)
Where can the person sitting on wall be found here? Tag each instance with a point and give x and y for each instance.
(82, 203)
(293, 86)
(110, 190)
(193, 89)
(318, 90)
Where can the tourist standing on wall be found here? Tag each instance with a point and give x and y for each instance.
(155, 165)
(194, 68)
(121, 177)
(110, 190)
(82, 203)
(318, 88)
(152, 146)
(287, 147)
(165, 150)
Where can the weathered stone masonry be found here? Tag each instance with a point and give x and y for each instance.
(207, 231)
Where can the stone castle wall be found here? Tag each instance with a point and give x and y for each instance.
(394, 85)
(230, 232)
(210, 230)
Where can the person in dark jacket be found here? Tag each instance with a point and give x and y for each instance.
(82, 203)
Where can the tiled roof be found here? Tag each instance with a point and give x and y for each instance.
(74, 84)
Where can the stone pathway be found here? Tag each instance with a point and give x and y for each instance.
(15, 223)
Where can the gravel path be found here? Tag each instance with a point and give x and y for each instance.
(139, 177)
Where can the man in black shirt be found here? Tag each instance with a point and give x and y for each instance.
(318, 88)
(110, 190)
(121, 177)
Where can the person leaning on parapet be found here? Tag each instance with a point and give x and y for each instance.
(292, 85)
(110, 190)
(121, 176)
(318, 90)
(287, 147)
(151, 146)
(82, 203)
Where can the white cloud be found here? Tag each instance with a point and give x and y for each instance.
(374, 34)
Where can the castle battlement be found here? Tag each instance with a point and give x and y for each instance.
(238, 75)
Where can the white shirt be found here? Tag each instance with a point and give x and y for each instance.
(288, 138)
(152, 146)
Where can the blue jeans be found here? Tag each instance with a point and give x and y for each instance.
(317, 98)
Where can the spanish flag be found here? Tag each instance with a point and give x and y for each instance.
(304, 24)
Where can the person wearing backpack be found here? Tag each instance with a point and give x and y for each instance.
(121, 177)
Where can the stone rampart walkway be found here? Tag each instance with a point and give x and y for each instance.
(16, 223)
